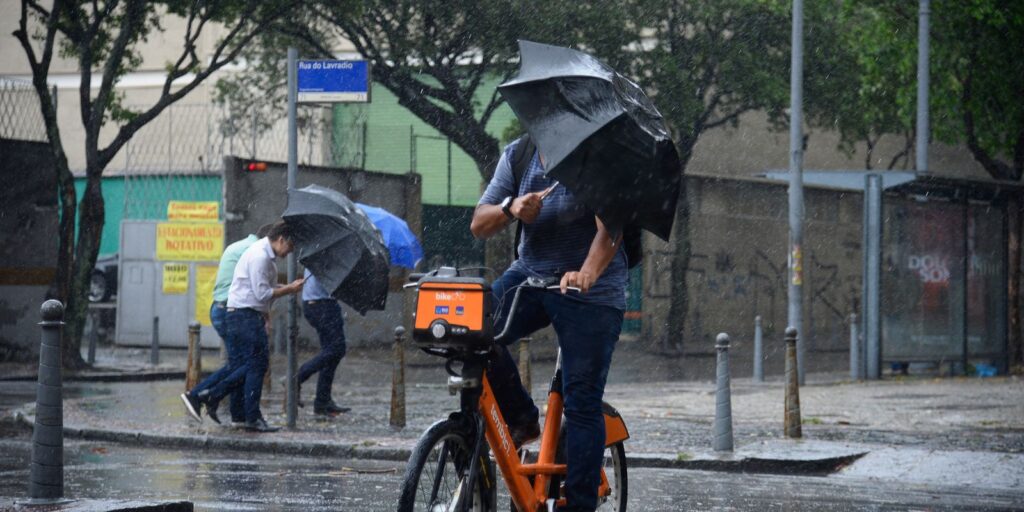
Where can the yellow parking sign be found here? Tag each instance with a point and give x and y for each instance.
(175, 278)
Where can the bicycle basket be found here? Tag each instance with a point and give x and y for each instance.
(453, 312)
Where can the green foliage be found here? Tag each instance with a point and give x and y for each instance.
(977, 76)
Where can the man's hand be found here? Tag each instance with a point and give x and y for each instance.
(296, 285)
(527, 207)
(582, 280)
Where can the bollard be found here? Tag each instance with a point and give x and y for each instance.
(94, 336)
(792, 412)
(854, 349)
(194, 363)
(524, 364)
(398, 381)
(758, 350)
(723, 397)
(154, 348)
(46, 471)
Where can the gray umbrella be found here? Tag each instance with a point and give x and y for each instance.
(599, 134)
(336, 241)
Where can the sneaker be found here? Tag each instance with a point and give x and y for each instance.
(192, 406)
(261, 426)
(211, 411)
(331, 409)
(523, 434)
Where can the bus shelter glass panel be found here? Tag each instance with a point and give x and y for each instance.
(922, 280)
(986, 283)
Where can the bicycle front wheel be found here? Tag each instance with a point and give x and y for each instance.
(435, 477)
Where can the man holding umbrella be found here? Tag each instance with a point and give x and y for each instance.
(603, 161)
(322, 310)
(253, 288)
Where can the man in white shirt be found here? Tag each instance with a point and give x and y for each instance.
(253, 289)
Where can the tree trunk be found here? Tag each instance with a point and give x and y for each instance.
(679, 299)
(91, 220)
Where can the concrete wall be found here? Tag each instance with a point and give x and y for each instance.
(28, 243)
(252, 199)
(739, 232)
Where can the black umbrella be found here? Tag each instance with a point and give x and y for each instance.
(336, 241)
(599, 134)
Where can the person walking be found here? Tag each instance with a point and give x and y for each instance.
(218, 316)
(324, 313)
(253, 288)
(560, 238)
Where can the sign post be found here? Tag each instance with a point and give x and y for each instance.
(313, 81)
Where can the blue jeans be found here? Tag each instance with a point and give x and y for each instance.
(586, 334)
(218, 317)
(246, 330)
(325, 317)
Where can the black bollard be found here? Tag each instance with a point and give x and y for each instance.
(791, 422)
(397, 416)
(154, 348)
(46, 472)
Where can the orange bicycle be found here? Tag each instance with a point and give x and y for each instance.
(451, 468)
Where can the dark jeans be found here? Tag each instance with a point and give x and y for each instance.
(586, 334)
(218, 317)
(325, 317)
(247, 330)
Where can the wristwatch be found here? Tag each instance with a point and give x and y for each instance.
(506, 207)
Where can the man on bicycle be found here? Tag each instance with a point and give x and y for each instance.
(563, 239)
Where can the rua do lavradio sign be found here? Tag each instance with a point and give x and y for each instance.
(333, 81)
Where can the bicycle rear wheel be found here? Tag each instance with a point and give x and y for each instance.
(434, 477)
(615, 472)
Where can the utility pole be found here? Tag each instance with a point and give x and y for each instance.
(794, 317)
(921, 148)
(293, 157)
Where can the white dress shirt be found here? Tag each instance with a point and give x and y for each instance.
(252, 285)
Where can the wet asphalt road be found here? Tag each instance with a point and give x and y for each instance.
(230, 481)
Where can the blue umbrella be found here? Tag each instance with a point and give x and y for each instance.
(404, 248)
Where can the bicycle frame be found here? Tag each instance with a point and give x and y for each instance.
(527, 497)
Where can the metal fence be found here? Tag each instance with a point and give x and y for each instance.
(20, 115)
(177, 153)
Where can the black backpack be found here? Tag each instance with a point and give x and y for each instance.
(521, 156)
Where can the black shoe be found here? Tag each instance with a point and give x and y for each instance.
(211, 411)
(192, 406)
(331, 409)
(260, 425)
(522, 434)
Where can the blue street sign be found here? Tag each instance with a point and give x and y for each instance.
(333, 81)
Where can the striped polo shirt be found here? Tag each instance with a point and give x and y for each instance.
(559, 240)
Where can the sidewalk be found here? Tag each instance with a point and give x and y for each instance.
(888, 427)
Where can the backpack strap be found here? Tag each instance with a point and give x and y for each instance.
(521, 157)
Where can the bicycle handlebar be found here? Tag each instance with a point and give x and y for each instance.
(537, 283)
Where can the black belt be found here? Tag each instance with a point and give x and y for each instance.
(220, 303)
(232, 310)
(317, 301)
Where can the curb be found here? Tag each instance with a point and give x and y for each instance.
(814, 467)
(83, 505)
(110, 377)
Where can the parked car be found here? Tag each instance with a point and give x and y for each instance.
(103, 284)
